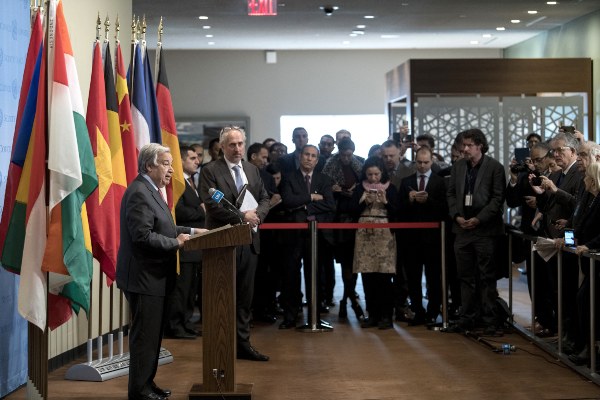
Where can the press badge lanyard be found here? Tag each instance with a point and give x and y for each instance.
(471, 176)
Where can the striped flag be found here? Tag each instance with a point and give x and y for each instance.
(72, 175)
(130, 153)
(25, 227)
(100, 204)
(176, 187)
(25, 117)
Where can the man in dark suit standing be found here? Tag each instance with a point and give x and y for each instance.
(475, 202)
(307, 194)
(188, 212)
(231, 175)
(423, 199)
(291, 162)
(146, 265)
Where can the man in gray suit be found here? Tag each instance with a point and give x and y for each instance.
(475, 202)
(146, 265)
(230, 175)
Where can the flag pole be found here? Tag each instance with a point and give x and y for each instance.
(158, 50)
(134, 41)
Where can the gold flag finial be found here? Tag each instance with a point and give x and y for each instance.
(144, 26)
(106, 28)
(98, 26)
(138, 28)
(117, 28)
(160, 30)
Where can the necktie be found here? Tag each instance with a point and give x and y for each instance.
(162, 196)
(307, 180)
(239, 182)
(191, 181)
(422, 183)
(560, 178)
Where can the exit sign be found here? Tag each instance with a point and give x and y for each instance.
(262, 7)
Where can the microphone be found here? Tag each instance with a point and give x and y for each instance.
(218, 197)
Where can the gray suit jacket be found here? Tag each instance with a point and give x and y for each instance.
(147, 259)
(217, 175)
(488, 196)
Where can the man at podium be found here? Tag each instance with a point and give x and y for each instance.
(146, 265)
(240, 183)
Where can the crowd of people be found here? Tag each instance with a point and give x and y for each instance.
(314, 182)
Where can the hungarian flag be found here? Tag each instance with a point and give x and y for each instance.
(176, 187)
(130, 153)
(72, 175)
(24, 227)
(101, 203)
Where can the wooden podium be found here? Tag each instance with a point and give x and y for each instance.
(218, 312)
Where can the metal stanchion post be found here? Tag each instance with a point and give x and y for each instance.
(315, 324)
(592, 273)
(510, 277)
(532, 278)
(560, 298)
(444, 277)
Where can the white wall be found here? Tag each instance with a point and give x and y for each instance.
(578, 38)
(240, 83)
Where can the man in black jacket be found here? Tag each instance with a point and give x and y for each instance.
(307, 194)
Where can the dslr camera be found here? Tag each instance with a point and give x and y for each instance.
(519, 167)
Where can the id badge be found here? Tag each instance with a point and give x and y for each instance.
(469, 200)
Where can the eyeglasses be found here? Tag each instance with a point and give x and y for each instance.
(539, 159)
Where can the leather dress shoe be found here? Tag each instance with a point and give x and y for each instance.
(265, 317)
(250, 353)
(161, 391)
(582, 358)
(286, 324)
(193, 331)
(149, 396)
(180, 335)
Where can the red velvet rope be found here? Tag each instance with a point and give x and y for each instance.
(339, 225)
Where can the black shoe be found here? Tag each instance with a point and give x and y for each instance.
(149, 396)
(250, 353)
(582, 358)
(368, 323)
(343, 312)
(193, 331)
(358, 311)
(160, 391)
(286, 324)
(385, 323)
(180, 335)
(419, 319)
(267, 318)
(323, 309)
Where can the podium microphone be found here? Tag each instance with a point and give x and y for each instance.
(218, 197)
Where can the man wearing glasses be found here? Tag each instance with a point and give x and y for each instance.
(556, 199)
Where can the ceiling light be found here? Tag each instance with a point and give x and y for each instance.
(356, 32)
(346, 42)
(209, 36)
(500, 28)
(487, 35)
(474, 42)
(203, 17)
(211, 43)
(361, 26)
(552, 3)
(390, 36)
(353, 35)
(515, 21)
(206, 27)
(369, 17)
(532, 12)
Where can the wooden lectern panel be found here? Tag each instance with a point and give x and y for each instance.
(224, 236)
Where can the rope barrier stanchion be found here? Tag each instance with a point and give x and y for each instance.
(560, 302)
(592, 344)
(444, 277)
(510, 278)
(315, 324)
(533, 289)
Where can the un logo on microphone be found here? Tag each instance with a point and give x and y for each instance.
(217, 196)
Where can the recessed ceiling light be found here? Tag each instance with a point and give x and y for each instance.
(346, 42)
(203, 17)
(474, 42)
(500, 28)
(211, 43)
(487, 35)
(353, 35)
(361, 26)
(552, 3)
(532, 12)
(209, 36)
(206, 27)
(390, 36)
(369, 17)
(515, 21)
(356, 32)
